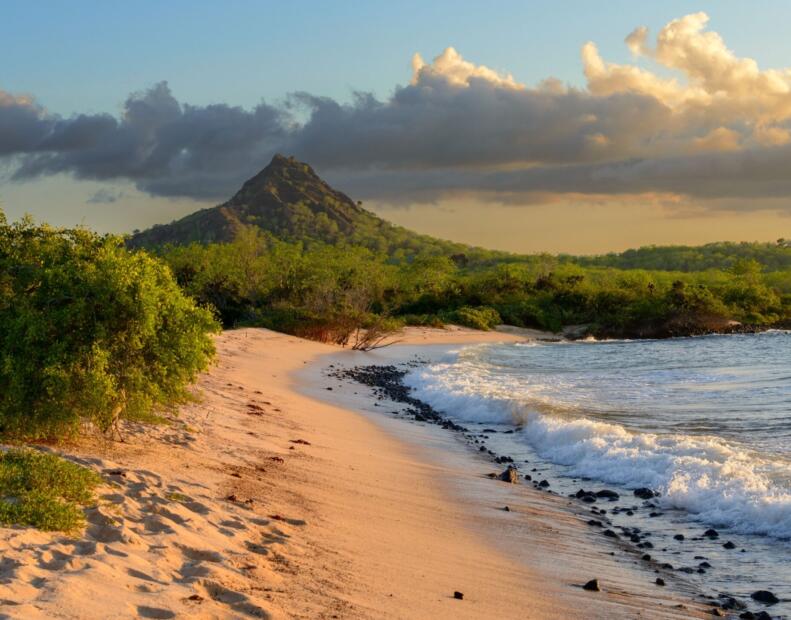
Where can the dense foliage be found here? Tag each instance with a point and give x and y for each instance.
(722, 255)
(325, 292)
(91, 332)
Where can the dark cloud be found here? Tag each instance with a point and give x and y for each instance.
(455, 128)
(166, 148)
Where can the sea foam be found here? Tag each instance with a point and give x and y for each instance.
(716, 481)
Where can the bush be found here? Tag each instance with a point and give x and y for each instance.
(43, 490)
(483, 317)
(91, 332)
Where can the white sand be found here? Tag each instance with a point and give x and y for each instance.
(371, 518)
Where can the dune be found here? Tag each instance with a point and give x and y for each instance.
(273, 497)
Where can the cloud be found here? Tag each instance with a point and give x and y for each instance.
(706, 125)
(105, 195)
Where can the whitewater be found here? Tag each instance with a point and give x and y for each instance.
(705, 421)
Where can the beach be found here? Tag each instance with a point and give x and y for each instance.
(273, 496)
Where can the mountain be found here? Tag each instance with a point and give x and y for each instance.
(289, 200)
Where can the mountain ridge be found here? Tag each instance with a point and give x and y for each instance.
(289, 200)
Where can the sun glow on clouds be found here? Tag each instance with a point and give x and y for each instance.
(452, 68)
(719, 85)
(719, 129)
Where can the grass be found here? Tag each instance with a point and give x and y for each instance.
(43, 490)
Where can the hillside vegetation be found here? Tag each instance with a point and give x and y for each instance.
(291, 253)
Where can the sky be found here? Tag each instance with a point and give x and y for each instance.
(525, 126)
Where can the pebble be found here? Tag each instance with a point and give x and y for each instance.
(592, 586)
(459, 596)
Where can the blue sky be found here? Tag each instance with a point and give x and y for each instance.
(82, 56)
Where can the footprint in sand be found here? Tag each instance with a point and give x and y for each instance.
(154, 612)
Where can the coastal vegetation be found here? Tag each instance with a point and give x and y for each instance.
(328, 291)
(44, 490)
(92, 333)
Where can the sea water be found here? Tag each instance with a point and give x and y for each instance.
(704, 421)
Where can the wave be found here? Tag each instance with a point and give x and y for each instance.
(718, 482)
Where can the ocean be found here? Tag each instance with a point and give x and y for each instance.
(705, 422)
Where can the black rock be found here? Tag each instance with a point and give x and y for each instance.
(646, 557)
(611, 495)
(594, 523)
(506, 508)
(659, 581)
(528, 477)
(644, 493)
(610, 534)
(704, 565)
(747, 615)
(729, 545)
(711, 533)
(543, 484)
(458, 595)
(592, 586)
(679, 536)
(764, 596)
(729, 602)
(510, 475)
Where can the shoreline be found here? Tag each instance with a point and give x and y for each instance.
(264, 501)
(537, 524)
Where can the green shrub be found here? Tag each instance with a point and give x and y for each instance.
(43, 490)
(91, 332)
(483, 317)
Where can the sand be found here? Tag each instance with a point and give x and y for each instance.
(273, 497)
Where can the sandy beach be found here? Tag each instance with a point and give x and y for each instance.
(274, 497)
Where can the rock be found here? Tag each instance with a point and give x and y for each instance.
(679, 537)
(543, 484)
(711, 533)
(644, 493)
(510, 475)
(729, 602)
(646, 557)
(717, 612)
(729, 545)
(610, 534)
(659, 581)
(592, 586)
(747, 615)
(459, 596)
(765, 596)
(606, 493)
(594, 523)
(506, 508)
